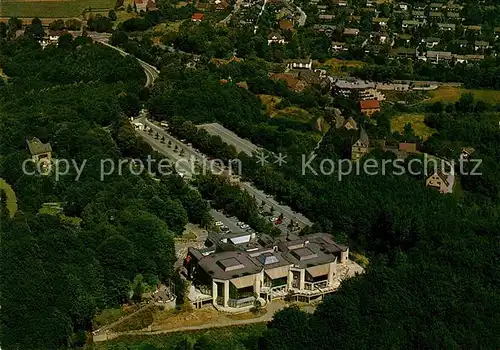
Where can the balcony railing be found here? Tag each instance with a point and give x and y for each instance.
(236, 303)
(315, 285)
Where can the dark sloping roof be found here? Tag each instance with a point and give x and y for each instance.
(36, 146)
(363, 136)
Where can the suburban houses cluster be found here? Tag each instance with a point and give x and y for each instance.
(427, 31)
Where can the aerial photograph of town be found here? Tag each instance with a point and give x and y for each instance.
(249, 174)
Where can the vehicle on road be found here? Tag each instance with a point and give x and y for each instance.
(219, 223)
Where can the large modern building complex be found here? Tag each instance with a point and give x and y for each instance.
(236, 271)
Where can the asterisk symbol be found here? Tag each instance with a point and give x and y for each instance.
(262, 158)
(280, 159)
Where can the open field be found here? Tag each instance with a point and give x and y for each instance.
(452, 94)
(270, 101)
(8, 194)
(51, 8)
(338, 67)
(293, 113)
(417, 122)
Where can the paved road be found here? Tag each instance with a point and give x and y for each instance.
(230, 137)
(271, 308)
(191, 153)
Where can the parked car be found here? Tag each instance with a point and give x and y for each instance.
(219, 223)
(240, 223)
(245, 226)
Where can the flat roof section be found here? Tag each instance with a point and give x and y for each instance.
(230, 138)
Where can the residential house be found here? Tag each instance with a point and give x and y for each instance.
(242, 84)
(472, 28)
(360, 147)
(338, 46)
(326, 17)
(496, 30)
(285, 24)
(151, 6)
(436, 6)
(408, 147)
(436, 56)
(468, 58)
(351, 31)
(299, 64)
(197, 17)
(454, 16)
(420, 6)
(275, 38)
(324, 28)
(141, 5)
(403, 6)
(322, 8)
(431, 42)
(220, 5)
(435, 15)
(368, 107)
(461, 43)
(411, 23)
(419, 15)
(350, 124)
(380, 21)
(441, 182)
(405, 38)
(446, 26)
(41, 154)
(404, 52)
(342, 3)
(481, 45)
(466, 153)
(454, 8)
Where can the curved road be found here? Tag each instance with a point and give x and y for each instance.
(151, 72)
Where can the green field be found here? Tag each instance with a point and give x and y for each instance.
(242, 337)
(10, 197)
(417, 122)
(452, 94)
(51, 9)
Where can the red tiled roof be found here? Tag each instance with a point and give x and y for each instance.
(198, 16)
(285, 25)
(369, 104)
(408, 147)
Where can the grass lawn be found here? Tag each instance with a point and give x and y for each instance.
(108, 316)
(452, 94)
(338, 67)
(417, 122)
(293, 113)
(270, 101)
(10, 197)
(52, 9)
(165, 27)
(122, 16)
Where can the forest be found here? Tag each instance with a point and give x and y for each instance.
(432, 255)
(58, 269)
(433, 277)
